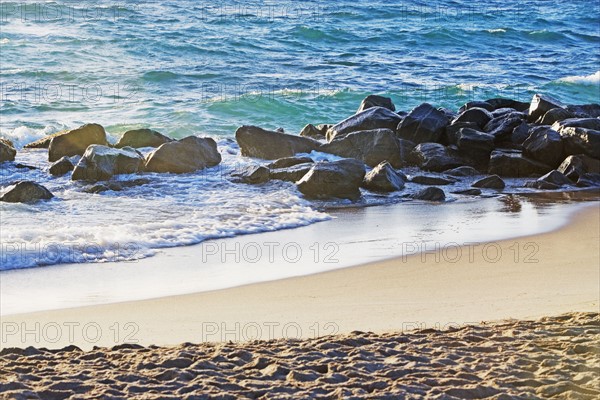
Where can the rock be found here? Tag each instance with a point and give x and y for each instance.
(372, 147)
(383, 178)
(478, 116)
(269, 145)
(589, 180)
(520, 133)
(76, 141)
(552, 180)
(253, 174)
(289, 162)
(7, 151)
(585, 110)
(587, 123)
(540, 105)
(545, 145)
(432, 180)
(376, 101)
(514, 164)
(508, 103)
(573, 167)
(500, 112)
(430, 194)
(44, 142)
(61, 167)
(469, 192)
(116, 186)
(475, 145)
(338, 179)
(291, 174)
(581, 141)
(183, 156)
(25, 192)
(142, 138)
(462, 171)
(100, 163)
(476, 104)
(503, 127)
(370, 119)
(554, 115)
(313, 132)
(434, 157)
(423, 124)
(453, 129)
(24, 166)
(490, 182)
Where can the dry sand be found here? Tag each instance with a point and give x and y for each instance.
(550, 358)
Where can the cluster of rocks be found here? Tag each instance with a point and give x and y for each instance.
(552, 143)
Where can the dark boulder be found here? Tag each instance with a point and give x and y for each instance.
(270, 145)
(423, 124)
(585, 110)
(540, 105)
(142, 138)
(313, 132)
(76, 141)
(573, 167)
(476, 104)
(520, 133)
(291, 174)
(475, 145)
(452, 130)
(100, 163)
(376, 101)
(581, 141)
(589, 180)
(186, 155)
(500, 112)
(502, 127)
(434, 157)
(552, 180)
(462, 171)
(545, 145)
(372, 147)
(499, 103)
(61, 167)
(430, 194)
(7, 151)
(25, 192)
(469, 192)
(554, 115)
(289, 162)
(587, 123)
(513, 164)
(383, 178)
(116, 186)
(253, 174)
(338, 179)
(432, 180)
(370, 119)
(44, 142)
(478, 116)
(490, 182)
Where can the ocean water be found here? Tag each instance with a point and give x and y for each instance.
(195, 67)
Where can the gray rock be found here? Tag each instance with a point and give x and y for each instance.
(76, 141)
(253, 174)
(61, 167)
(291, 174)
(545, 145)
(289, 162)
(142, 138)
(475, 145)
(372, 147)
(462, 171)
(552, 180)
(540, 105)
(554, 115)
(573, 167)
(7, 151)
(469, 192)
(338, 179)
(116, 186)
(376, 101)
(25, 192)
(432, 180)
(430, 194)
(423, 124)
(581, 141)
(499, 103)
(183, 156)
(503, 127)
(520, 133)
(100, 163)
(587, 123)
(589, 180)
(383, 178)
(453, 129)
(434, 157)
(313, 132)
(490, 182)
(476, 115)
(514, 164)
(585, 110)
(370, 119)
(476, 104)
(270, 145)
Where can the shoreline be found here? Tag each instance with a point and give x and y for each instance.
(396, 294)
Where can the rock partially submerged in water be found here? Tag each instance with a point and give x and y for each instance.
(574, 167)
(383, 178)
(315, 132)
(339, 179)
(423, 124)
(116, 186)
(291, 174)
(100, 163)
(370, 119)
(372, 147)
(76, 141)
(137, 138)
(7, 150)
(252, 174)
(432, 180)
(462, 171)
(189, 154)
(61, 167)
(289, 162)
(513, 164)
(269, 145)
(430, 194)
(490, 182)
(551, 181)
(374, 100)
(26, 192)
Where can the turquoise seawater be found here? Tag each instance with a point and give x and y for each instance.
(198, 67)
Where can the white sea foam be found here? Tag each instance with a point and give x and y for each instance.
(499, 30)
(593, 79)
